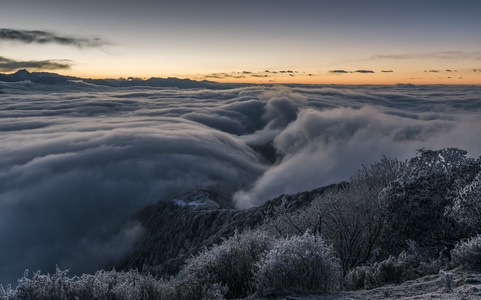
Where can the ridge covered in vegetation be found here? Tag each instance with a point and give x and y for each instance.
(392, 221)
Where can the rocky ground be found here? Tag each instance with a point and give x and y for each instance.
(454, 284)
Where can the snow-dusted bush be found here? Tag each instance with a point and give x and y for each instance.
(416, 202)
(101, 285)
(468, 252)
(467, 205)
(379, 174)
(406, 266)
(215, 292)
(8, 293)
(298, 264)
(381, 273)
(229, 264)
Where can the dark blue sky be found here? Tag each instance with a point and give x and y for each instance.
(197, 38)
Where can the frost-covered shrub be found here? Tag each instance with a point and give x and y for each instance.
(228, 264)
(298, 264)
(8, 293)
(101, 285)
(467, 205)
(416, 202)
(45, 286)
(379, 174)
(215, 292)
(405, 267)
(381, 273)
(468, 253)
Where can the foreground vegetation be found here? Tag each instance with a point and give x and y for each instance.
(393, 221)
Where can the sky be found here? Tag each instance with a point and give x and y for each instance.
(347, 41)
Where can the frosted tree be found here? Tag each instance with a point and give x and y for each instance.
(468, 252)
(229, 264)
(467, 205)
(298, 264)
(350, 216)
(416, 202)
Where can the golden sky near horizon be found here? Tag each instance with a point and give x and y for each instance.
(319, 42)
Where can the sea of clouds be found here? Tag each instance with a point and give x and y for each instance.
(77, 161)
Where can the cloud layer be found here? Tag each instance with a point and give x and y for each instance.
(79, 160)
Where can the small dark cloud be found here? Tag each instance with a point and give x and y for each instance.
(7, 64)
(225, 75)
(387, 71)
(364, 71)
(47, 37)
(345, 71)
(449, 70)
(338, 71)
(431, 71)
(287, 71)
(260, 75)
(246, 72)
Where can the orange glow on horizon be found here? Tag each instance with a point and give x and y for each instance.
(379, 78)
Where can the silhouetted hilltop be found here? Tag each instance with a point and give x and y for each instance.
(53, 78)
(35, 77)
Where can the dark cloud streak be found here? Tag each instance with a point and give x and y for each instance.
(346, 72)
(47, 37)
(7, 64)
(364, 71)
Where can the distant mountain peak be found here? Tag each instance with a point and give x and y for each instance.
(22, 74)
(54, 78)
(22, 71)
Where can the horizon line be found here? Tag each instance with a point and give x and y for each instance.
(238, 82)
